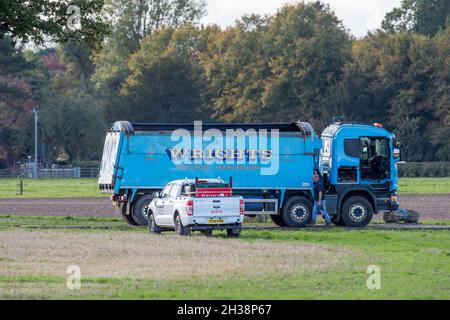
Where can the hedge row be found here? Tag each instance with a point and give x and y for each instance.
(424, 170)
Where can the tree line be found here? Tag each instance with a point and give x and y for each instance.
(156, 63)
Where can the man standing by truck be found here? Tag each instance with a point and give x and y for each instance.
(320, 202)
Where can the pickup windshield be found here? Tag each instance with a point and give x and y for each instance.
(189, 189)
(210, 185)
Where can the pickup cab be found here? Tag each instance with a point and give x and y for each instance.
(196, 205)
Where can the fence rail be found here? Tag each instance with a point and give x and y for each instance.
(76, 172)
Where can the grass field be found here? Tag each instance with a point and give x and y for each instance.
(50, 188)
(75, 188)
(129, 263)
(424, 185)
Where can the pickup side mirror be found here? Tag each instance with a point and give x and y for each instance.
(156, 195)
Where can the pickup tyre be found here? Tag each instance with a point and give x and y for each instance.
(180, 228)
(152, 226)
(297, 212)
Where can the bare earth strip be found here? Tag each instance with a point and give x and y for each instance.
(434, 207)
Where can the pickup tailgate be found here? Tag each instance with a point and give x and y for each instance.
(217, 207)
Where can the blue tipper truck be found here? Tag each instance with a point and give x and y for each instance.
(272, 167)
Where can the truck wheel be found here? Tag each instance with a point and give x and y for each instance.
(152, 226)
(127, 217)
(357, 212)
(139, 210)
(297, 212)
(339, 223)
(180, 229)
(278, 220)
(234, 233)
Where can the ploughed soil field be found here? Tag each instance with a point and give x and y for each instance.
(430, 206)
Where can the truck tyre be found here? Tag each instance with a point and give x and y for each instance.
(357, 212)
(339, 223)
(278, 220)
(152, 226)
(297, 212)
(127, 217)
(234, 233)
(180, 229)
(139, 210)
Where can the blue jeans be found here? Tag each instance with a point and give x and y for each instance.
(323, 208)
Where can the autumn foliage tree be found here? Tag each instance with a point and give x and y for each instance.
(159, 64)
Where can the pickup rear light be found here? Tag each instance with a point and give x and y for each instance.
(190, 208)
(241, 206)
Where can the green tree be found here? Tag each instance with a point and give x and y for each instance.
(71, 124)
(401, 79)
(16, 102)
(278, 68)
(42, 20)
(131, 21)
(78, 62)
(421, 16)
(165, 77)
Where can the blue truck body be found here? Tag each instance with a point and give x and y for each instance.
(271, 165)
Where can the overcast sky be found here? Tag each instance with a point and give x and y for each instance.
(359, 16)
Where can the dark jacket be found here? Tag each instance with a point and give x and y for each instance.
(318, 187)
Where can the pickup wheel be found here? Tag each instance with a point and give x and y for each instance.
(180, 229)
(357, 212)
(127, 217)
(297, 212)
(278, 220)
(139, 210)
(152, 226)
(234, 233)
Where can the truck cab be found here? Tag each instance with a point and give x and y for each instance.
(358, 163)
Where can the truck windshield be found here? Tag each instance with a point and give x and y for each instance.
(372, 147)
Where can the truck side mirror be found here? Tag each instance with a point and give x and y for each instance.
(156, 195)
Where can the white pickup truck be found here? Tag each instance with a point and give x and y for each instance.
(196, 205)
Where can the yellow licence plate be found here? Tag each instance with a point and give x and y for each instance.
(216, 221)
